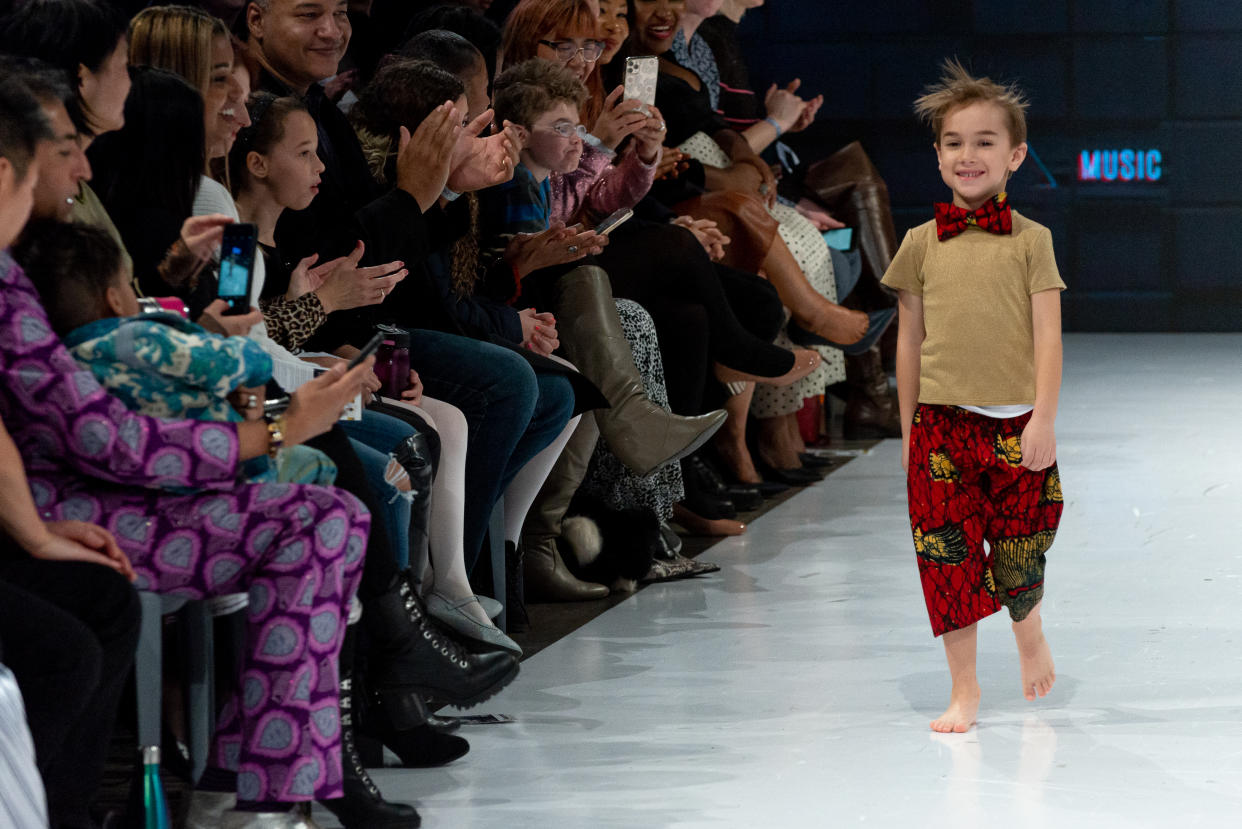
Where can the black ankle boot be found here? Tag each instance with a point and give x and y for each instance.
(414, 659)
(363, 807)
(419, 747)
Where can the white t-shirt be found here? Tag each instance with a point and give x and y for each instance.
(1000, 412)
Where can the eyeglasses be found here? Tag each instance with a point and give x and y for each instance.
(566, 49)
(567, 130)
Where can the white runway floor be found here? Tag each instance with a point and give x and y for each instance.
(794, 688)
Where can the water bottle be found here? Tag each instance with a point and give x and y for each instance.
(383, 362)
(399, 374)
(148, 808)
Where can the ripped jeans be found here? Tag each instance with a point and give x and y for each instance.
(374, 438)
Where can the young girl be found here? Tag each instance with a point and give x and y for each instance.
(274, 167)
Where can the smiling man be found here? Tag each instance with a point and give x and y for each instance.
(301, 41)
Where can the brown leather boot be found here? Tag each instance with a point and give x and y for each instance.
(641, 434)
(871, 411)
(546, 576)
(849, 185)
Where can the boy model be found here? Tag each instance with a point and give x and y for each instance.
(978, 376)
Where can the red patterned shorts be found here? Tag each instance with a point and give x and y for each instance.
(966, 485)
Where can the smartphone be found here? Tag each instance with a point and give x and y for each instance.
(841, 238)
(367, 350)
(237, 267)
(641, 74)
(614, 221)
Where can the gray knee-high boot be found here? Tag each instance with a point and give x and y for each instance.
(640, 433)
(546, 576)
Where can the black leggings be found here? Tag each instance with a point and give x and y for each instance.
(654, 263)
(68, 631)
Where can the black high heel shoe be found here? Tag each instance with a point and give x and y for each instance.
(707, 479)
(797, 476)
(418, 747)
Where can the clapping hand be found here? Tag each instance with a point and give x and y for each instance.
(425, 158)
(479, 163)
(345, 285)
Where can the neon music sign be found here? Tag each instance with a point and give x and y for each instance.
(1120, 165)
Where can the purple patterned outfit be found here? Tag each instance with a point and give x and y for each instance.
(297, 548)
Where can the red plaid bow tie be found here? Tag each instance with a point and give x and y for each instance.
(994, 217)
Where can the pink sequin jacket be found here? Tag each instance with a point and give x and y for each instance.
(600, 186)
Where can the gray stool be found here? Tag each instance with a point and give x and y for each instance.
(199, 643)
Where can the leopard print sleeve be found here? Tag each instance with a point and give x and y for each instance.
(292, 322)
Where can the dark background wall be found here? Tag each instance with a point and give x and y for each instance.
(1101, 75)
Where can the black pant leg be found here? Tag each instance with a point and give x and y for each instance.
(70, 630)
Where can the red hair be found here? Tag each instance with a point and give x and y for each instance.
(535, 20)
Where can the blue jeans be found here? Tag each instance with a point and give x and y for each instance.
(511, 411)
(846, 268)
(373, 438)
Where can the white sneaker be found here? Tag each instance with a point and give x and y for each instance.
(207, 808)
(228, 603)
(294, 819)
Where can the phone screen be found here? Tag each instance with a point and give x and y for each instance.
(237, 253)
(841, 238)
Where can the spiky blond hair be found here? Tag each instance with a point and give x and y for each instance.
(958, 88)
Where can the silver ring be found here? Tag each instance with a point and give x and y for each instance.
(573, 248)
(662, 127)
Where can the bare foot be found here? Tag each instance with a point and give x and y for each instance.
(833, 322)
(1038, 672)
(737, 458)
(795, 434)
(960, 715)
(775, 444)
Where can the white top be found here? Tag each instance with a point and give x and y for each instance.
(1001, 412)
(288, 370)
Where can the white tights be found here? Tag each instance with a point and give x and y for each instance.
(446, 571)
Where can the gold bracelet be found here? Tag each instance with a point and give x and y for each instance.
(275, 435)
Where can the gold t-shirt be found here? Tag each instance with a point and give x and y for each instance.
(976, 290)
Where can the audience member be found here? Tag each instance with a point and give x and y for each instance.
(387, 194)
(72, 431)
(845, 184)
(158, 364)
